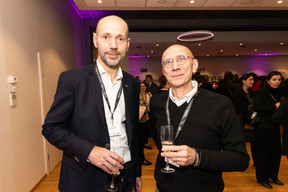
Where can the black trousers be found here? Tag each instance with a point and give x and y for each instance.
(144, 127)
(268, 153)
(125, 181)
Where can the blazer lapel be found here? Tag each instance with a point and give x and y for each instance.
(97, 94)
(127, 89)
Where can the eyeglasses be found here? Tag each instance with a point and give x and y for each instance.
(180, 59)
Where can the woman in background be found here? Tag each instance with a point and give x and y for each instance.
(164, 84)
(243, 100)
(268, 143)
(144, 101)
(281, 115)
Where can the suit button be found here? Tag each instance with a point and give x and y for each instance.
(107, 145)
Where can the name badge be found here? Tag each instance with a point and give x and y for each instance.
(171, 162)
(114, 130)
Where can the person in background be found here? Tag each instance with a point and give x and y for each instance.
(268, 144)
(207, 134)
(151, 86)
(164, 84)
(258, 82)
(285, 84)
(281, 115)
(144, 101)
(243, 101)
(226, 86)
(202, 82)
(94, 118)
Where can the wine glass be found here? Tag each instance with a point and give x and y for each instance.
(166, 134)
(112, 187)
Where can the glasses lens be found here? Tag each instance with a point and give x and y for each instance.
(181, 59)
(167, 63)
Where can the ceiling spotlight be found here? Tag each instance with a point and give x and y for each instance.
(192, 1)
(208, 55)
(199, 44)
(99, 1)
(148, 55)
(237, 55)
(241, 44)
(255, 50)
(221, 50)
(157, 45)
(279, 2)
(152, 51)
(281, 43)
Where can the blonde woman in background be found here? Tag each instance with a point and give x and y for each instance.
(144, 101)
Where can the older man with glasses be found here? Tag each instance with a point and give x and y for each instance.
(207, 136)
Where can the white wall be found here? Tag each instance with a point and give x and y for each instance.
(215, 66)
(27, 27)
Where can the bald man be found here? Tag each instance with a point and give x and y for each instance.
(94, 118)
(207, 136)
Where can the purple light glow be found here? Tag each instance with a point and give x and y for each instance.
(195, 36)
(259, 65)
(90, 14)
(135, 65)
(267, 54)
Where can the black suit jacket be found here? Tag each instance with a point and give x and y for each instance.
(76, 123)
(153, 88)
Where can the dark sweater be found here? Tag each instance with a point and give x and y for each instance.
(213, 129)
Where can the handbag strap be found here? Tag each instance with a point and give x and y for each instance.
(274, 98)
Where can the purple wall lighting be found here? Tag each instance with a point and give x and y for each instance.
(135, 65)
(259, 65)
(90, 14)
(267, 54)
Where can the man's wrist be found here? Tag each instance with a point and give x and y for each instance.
(197, 159)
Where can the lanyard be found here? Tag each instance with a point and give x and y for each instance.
(184, 117)
(105, 94)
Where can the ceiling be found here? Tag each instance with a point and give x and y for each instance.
(260, 25)
(180, 4)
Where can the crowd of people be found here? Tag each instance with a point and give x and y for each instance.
(101, 118)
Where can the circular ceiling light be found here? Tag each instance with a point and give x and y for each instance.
(195, 36)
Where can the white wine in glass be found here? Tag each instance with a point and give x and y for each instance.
(166, 134)
(167, 143)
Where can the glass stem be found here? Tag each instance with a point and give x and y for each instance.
(112, 182)
(167, 166)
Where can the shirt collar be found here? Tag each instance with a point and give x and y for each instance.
(103, 72)
(185, 98)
